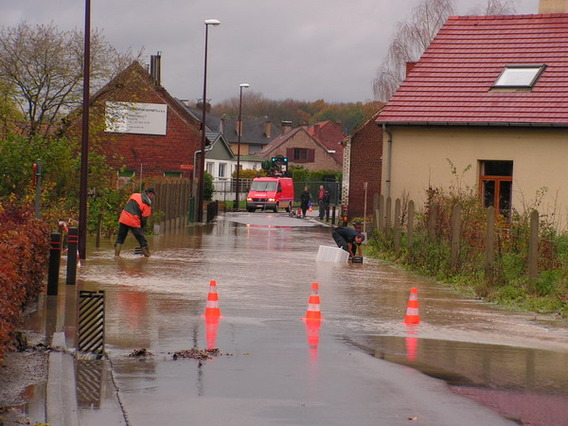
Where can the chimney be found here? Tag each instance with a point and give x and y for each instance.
(156, 68)
(222, 125)
(286, 126)
(317, 132)
(553, 6)
(267, 128)
(409, 66)
(199, 106)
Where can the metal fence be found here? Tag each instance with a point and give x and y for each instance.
(225, 190)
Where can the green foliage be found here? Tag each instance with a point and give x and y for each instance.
(299, 173)
(249, 173)
(104, 210)
(60, 173)
(507, 281)
(209, 188)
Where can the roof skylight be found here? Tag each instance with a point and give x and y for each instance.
(519, 76)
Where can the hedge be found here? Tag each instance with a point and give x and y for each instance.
(24, 252)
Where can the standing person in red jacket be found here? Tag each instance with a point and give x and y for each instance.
(133, 217)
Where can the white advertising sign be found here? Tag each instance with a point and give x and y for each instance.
(135, 117)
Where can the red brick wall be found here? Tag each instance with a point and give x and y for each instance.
(366, 166)
(156, 153)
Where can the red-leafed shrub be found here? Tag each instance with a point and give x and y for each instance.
(24, 251)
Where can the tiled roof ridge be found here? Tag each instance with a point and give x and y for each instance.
(506, 17)
(452, 83)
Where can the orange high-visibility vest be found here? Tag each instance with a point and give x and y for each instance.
(137, 207)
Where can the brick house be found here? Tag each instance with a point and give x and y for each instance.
(302, 149)
(362, 166)
(331, 135)
(489, 96)
(143, 130)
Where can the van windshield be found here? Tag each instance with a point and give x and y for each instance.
(263, 186)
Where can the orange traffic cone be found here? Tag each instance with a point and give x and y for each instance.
(411, 343)
(212, 309)
(412, 316)
(211, 326)
(311, 209)
(313, 312)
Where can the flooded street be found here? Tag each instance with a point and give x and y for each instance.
(274, 368)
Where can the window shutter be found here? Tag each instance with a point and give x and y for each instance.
(290, 154)
(311, 155)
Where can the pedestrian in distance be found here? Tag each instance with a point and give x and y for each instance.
(324, 204)
(321, 194)
(305, 200)
(349, 240)
(133, 218)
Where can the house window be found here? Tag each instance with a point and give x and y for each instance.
(209, 167)
(172, 174)
(519, 76)
(222, 168)
(496, 183)
(301, 155)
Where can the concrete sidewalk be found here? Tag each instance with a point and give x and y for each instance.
(61, 398)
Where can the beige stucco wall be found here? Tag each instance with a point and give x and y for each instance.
(540, 159)
(553, 6)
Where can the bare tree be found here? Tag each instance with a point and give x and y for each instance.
(414, 36)
(44, 66)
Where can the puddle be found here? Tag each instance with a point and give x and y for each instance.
(527, 385)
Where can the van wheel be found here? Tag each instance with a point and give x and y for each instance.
(250, 210)
(275, 209)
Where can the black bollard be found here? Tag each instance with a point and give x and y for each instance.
(54, 260)
(72, 244)
(333, 215)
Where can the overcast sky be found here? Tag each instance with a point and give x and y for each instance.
(299, 49)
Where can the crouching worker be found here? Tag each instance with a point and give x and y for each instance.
(349, 240)
(133, 217)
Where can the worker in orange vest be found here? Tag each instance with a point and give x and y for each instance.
(133, 217)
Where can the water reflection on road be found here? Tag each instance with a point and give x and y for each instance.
(264, 265)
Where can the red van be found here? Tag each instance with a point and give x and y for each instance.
(271, 193)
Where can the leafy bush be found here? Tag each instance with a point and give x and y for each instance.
(506, 280)
(24, 250)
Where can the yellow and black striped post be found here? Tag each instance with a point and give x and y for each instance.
(91, 331)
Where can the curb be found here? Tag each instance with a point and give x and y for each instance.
(61, 398)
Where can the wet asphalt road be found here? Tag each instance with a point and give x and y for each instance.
(274, 368)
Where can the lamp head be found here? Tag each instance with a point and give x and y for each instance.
(244, 85)
(212, 22)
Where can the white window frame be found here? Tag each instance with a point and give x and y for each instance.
(519, 76)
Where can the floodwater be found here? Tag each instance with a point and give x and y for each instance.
(264, 266)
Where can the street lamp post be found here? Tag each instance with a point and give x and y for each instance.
(82, 232)
(239, 132)
(201, 197)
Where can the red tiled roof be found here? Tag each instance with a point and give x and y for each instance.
(451, 83)
(330, 135)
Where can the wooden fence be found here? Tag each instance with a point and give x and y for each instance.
(171, 206)
(400, 225)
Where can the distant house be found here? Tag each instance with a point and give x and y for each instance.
(257, 132)
(362, 168)
(331, 135)
(303, 149)
(219, 157)
(143, 130)
(490, 95)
